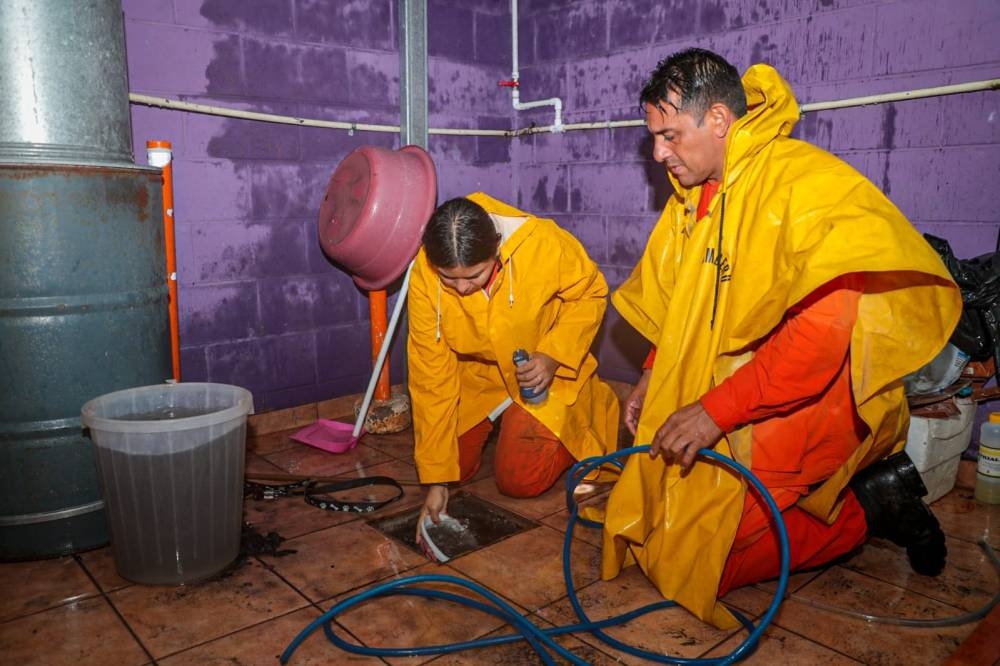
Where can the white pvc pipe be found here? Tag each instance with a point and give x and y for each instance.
(515, 76)
(971, 86)
(382, 353)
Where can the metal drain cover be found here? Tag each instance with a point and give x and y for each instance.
(485, 523)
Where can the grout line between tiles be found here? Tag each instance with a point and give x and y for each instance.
(910, 590)
(107, 600)
(231, 633)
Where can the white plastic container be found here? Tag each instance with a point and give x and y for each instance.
(930, 442)
(170, 461)
(936, 446)
(940, 479)
(988, 466)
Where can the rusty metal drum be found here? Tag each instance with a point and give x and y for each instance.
(83, 312)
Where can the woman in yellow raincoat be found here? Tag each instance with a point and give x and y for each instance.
(489, 280)
(762, 233)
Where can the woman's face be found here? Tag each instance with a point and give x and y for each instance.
(466, 280)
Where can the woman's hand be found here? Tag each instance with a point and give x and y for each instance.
(537, 372)
(635, 400)
(435, 504)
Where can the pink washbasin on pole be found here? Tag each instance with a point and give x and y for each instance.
(374, 212)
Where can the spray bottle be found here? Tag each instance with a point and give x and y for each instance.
(529, 396)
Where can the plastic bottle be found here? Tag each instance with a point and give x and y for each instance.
(530, 397)
(988, 468)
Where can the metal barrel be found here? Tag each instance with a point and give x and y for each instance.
(63, 83)
(83, 312)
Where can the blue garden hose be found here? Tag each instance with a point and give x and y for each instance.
(543, 640)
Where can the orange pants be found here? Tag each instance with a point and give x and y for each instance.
(529, 457)
(756, 556)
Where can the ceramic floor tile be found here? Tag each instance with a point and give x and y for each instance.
(82, 632)
(334, 560)
(669, 631)
(778, 646)
(754, 600)
(406, 475)
(560, 521)
(528, 567)
(291, 517)
(399, 445)
(405, 621)
(272, 442)
(963, 517)
(520, 652)
(100, 564)
(871, 643)
(282, 419)
(171, 619)
(339, 409)
(551, 501)
(308, 460)
(592, 535)
(262, 644)
(968, 581)
(256, 464)
(33, 586)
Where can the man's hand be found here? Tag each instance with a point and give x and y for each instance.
(688, 429)
(435, 504)
(537, 372)
(635, 400)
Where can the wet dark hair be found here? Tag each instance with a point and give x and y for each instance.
(460, 233)
(700, 79)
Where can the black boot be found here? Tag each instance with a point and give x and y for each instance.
(889, 492)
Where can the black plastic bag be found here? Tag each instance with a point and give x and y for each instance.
(978, 330)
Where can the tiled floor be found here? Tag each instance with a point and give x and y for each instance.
(77, 610)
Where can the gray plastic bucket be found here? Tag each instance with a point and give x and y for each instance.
(170, 462)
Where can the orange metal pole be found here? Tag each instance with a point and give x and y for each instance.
(378, 307)
(161, 155)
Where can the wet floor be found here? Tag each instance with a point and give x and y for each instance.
(77, 610)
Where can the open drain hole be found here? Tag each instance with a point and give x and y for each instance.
(485, 524)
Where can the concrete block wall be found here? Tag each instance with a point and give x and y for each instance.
(938, 159)
(260, 305)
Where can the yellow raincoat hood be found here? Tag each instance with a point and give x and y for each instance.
(791, 217)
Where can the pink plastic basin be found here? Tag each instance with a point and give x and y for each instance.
(374, 212)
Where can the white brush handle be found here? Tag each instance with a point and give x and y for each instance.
(383, 352)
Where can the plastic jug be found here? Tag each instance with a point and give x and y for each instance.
(529, 396)
(988, 467)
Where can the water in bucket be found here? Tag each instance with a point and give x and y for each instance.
(170, 463)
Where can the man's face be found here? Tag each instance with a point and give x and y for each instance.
(693, 153)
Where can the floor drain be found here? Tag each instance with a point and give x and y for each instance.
(486, 524)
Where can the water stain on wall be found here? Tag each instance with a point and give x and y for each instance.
(275, 18)
(816, 130)
(888, 142)
(763, 50)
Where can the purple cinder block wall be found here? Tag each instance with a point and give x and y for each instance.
(938, 159)
(262, 307)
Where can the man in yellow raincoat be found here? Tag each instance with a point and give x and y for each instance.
(489, 280)
(785, 297)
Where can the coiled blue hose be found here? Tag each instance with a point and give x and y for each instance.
(543, 640)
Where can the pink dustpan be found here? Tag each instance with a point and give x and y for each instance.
(332, 436)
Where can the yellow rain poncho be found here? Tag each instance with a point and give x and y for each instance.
(791, 218)
(550, 297)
